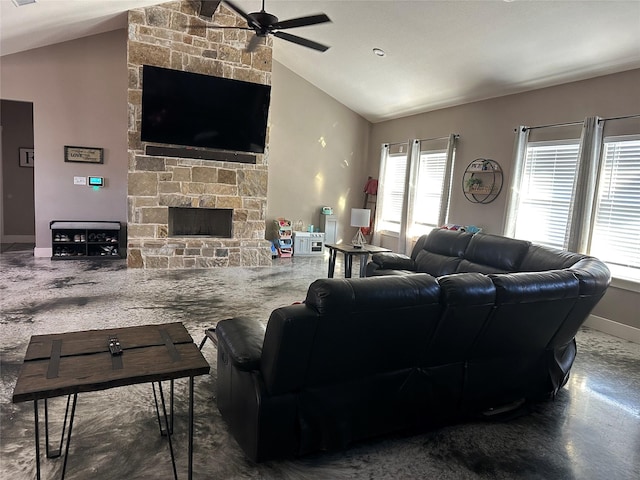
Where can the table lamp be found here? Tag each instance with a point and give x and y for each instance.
(360, 217)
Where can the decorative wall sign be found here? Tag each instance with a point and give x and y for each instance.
(26, 157)
(83, 154)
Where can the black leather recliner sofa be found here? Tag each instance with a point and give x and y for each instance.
(468, 323)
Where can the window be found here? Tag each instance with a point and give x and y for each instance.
(393, 193)
(616, 230)
(546, 191)
(415, 185)
(581, 195)
(427, 200)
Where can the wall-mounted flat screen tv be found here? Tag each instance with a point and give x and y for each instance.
(191, 109)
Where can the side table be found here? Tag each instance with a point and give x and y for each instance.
(349, 251)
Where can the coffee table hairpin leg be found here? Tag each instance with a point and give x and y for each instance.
(54, 453)
(169, 427)
(169, 424)
(168, 431)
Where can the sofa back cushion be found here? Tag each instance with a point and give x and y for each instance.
(370, 326)
(488, 253)
(451, 243)
(530, 308)
(467, 300)
(540, 258)
(336, 295)
(440, 252)
(594, 278)
(509, 359)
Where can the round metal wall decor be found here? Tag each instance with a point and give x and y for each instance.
(482, 181)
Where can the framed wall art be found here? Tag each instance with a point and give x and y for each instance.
(26, 157)
(83, 154)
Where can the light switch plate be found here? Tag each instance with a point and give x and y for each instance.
(79, 180)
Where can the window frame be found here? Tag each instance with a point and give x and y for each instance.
(625, 271)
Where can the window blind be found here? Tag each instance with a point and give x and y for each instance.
(616, 231)
(428, 191)
(393, 196)
(546, 191)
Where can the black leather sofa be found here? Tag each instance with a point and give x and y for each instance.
(467, 324)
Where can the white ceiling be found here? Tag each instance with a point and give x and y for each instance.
(439, 53)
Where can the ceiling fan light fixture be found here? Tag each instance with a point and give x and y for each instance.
(379, 52)
(22, 3)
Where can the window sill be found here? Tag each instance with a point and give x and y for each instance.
(625, 278)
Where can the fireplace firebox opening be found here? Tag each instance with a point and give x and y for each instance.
(201, 222)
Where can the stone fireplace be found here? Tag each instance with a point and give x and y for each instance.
(165, 192)
(200, 222)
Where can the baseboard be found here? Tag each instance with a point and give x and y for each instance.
(620, 330)
(43, 252)
(18, 239)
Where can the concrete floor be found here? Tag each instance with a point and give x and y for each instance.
(590, 431)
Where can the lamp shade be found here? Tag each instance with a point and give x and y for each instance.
(360, 217)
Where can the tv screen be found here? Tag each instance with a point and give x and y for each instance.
(191, 109)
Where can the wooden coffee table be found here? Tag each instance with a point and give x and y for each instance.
(349, 251)
(75, 362)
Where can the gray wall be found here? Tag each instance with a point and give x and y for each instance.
(317, 153)
(79, 95)
(17, 182)
(486, 130)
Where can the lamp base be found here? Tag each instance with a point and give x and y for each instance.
(358, 240)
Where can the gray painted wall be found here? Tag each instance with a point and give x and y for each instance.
(79, 95)
(317, 153)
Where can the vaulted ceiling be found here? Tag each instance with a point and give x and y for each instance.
(438, 53)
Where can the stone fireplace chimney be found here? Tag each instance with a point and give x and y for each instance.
(157, 184)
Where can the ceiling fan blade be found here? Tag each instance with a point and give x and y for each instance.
(250, 21)
(302, 21)
(208, 7)
(301, 41)
(253, 43)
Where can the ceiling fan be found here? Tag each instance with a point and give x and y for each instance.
(264, 24)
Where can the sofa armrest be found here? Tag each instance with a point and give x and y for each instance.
(393, 261)
(242, 339)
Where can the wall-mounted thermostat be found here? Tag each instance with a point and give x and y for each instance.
(96, 181)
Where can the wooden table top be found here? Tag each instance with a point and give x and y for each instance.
(348, 248)
(73, 362)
